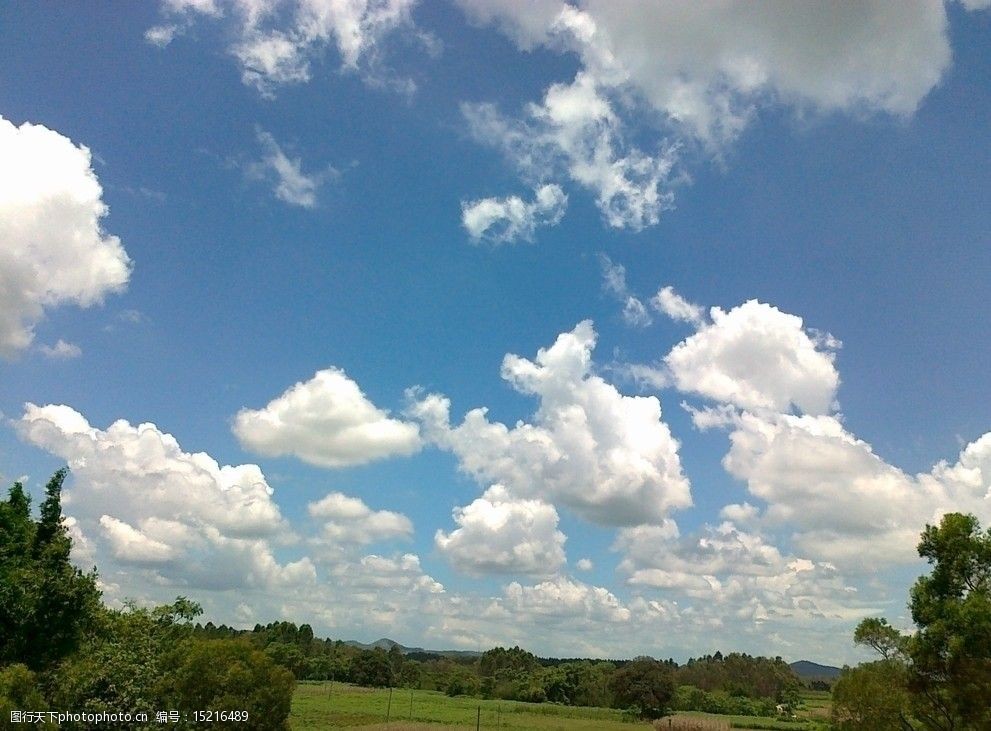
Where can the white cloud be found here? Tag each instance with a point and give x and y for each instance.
(275, 42)
(133, 546)
(199, 523)
(498, 533)
(290, 184)
(614, 282)
(348, 520)
(574, 132)
(842, 502)
(507, 220)
(564, 599)
(163, 35)
(725, 573)
(61, 350)
(54, 250)
(326, 421)
(608, 456)
(757, 357)
(705, 68)
(677, 307)
(696, 75)
(584, 564)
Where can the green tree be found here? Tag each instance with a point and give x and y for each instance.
(872, 696)
(120, 665)
(227, 675)
(19, 691)
(946, 665)
(644, 685)
(46, 604)
(951, 652)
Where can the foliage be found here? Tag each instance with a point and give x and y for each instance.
(690, 698)
(228, 675)
(945, 667)
(739, 674)
(120, 664)
(46, 604)
(872, 695)
(19, 690)
(645, 685)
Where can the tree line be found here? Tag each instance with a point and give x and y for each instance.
(735, 683)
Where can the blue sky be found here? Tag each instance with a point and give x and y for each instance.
(327, 235)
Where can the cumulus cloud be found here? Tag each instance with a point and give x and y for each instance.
(197, 522)
(500, 534)
(54, 251)
(728, 572)
(676, 307)
(755, 356)
(347, 519)
(290, 184)
(275, 42)
(511, 219)
(565, 599)
(61, 350)
(843, 502)
(326, 421)
(607, 456)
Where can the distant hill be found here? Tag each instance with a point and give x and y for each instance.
(386, 644)
(808, 670)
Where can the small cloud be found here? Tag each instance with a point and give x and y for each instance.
(135, 317)
(511, 219)
(290, 184)
(163, 35)
(614, 282)
(672, 304)
(60, 351)
(584, 564)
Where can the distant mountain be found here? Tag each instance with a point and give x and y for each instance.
(808, 670)
(386, 644)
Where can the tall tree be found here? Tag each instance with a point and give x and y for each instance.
(946, 665)
(951, 652)
(45, 602)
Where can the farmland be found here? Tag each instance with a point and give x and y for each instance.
(320, 705)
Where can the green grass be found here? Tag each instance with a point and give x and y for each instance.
(338, 705)
(325, 705)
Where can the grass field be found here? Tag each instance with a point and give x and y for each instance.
(337, 705)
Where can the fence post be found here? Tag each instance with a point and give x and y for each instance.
(478, 719)
(388, 708)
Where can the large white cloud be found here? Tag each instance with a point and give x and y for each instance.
(756, 356)
(608, 456)
(277, 40)
(707, 66)
(841, 501)
(53, 250)
(723, 571)
(198, 523)
(326, 421)
(500, 534)
(695, 75)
